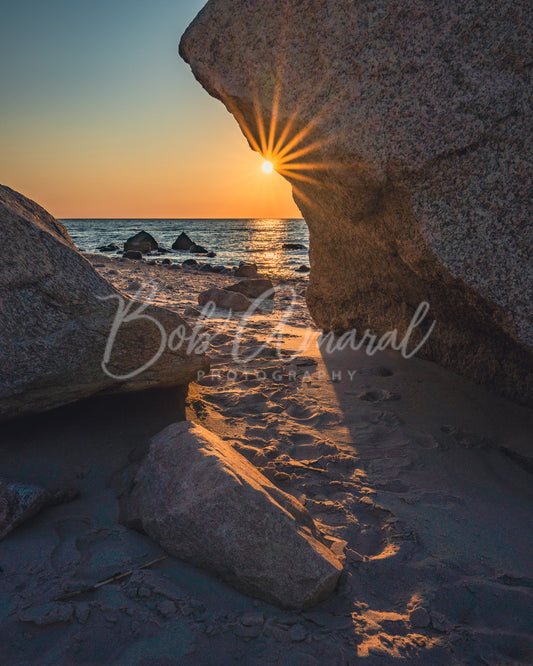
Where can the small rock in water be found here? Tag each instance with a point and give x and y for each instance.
(166, 262)
(303, 269)
(293, 246)
(183, 242)
(190, 262)
(142, 242)
(197, 249)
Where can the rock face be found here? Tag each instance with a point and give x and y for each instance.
(142, 242)
(206, 504)
(227, 300)
(55, 327)
(408, 158)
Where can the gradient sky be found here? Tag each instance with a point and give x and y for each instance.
(101, 118)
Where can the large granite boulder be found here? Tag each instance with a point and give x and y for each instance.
(204, 503)
(57, 314)
(405, 130)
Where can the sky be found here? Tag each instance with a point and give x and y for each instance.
(101, 118)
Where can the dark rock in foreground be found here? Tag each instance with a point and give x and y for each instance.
(415, 154)
(142, 242)
(57, 315)
(206, 504)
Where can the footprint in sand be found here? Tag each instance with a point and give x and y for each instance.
(378, 395)
(308, 412)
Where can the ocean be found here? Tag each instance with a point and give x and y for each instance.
(257, 240)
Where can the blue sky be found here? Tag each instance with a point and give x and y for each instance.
(101, 118)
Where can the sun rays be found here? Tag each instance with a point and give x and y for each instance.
(289, 147)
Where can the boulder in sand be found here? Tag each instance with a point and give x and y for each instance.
(246, 270)
(57, 317)
(182, 242)
(142, 242)
(252, 288)
(409, 159)
(227, 300)
(204, 503)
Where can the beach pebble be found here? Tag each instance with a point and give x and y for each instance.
(190, 262)
(167, 608)
(166, 262)
(253, 619)
(419, 618)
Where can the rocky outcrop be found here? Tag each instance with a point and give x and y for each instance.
(404, 129)
(204, 503)
(57, 314)
(142, 242)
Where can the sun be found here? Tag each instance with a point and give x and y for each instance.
(268, 167)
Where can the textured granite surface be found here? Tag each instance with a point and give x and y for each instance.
(404, 129)
(57, 314)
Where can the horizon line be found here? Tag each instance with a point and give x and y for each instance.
(182, 218)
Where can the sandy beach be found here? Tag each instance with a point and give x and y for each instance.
(420, 480)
